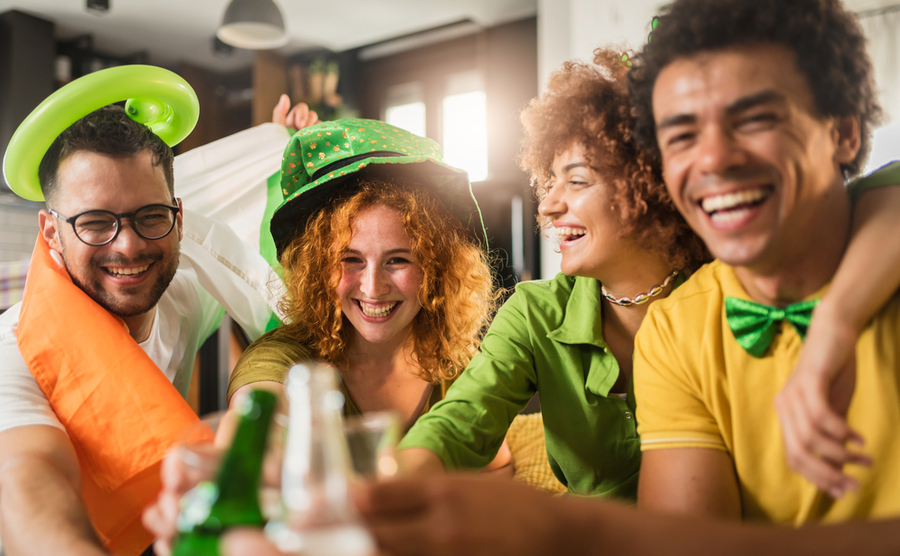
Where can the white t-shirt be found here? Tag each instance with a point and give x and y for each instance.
(186, 316)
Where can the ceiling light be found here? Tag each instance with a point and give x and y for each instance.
(253, 24)
(98, 6)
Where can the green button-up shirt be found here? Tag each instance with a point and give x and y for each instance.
(547, 337)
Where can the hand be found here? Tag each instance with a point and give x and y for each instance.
(248, 542)
(179, 473)
(813, 405)
(160, 518)
(460, 515)
(300, 116)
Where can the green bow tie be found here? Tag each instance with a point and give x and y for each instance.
(754, 324)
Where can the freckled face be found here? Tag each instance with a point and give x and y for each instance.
(745, 155)
(380, 278)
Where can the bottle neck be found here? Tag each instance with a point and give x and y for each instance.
(238, 481)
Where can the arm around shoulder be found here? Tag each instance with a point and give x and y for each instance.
(813, 404)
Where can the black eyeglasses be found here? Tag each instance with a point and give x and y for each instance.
(99, 227)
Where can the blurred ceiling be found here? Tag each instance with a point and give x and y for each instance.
(182, 30)
(172, 31)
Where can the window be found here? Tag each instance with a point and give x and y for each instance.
(405, 108)
(465, 124)
(463, 121)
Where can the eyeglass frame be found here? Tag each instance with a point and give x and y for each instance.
(130, 215)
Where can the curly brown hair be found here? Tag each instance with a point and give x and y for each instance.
(457, 293)
(827, 41)
(588, 105)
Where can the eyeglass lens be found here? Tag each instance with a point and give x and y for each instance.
(99, 226)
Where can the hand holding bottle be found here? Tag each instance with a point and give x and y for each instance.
(195, 459)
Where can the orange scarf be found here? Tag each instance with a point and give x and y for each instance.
(119, 410)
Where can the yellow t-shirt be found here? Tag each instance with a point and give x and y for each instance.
(695, 386)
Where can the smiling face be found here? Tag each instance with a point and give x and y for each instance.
(380, 278)
(746, 158)
(128, 275)
(578, 209)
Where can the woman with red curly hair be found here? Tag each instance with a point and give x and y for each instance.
(383, 279)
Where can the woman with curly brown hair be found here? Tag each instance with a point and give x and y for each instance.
(571, 338)
(383, 280)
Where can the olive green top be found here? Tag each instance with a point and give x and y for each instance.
(271, 356)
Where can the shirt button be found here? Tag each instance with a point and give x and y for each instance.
(628, 415)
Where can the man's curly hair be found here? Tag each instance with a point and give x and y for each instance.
(457, 293)
(588, 105)
(827, 41)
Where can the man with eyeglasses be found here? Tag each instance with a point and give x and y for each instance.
(83, 404)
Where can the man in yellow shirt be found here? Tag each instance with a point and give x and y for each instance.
(760, 111)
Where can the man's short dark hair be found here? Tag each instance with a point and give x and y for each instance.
(827, 41)
(110, 132)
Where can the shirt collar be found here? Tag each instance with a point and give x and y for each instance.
(582, 323)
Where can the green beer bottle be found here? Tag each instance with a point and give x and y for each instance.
(233, 499)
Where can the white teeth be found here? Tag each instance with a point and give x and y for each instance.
(376, 311)
(730, 200)
(565, 232)
(722, 216)
(127, 271)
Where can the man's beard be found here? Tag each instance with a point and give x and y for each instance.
(124, 305)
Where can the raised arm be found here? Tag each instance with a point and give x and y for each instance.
(41, 511)
(813, 404)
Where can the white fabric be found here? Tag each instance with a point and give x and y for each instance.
(232, 271)
(226, 179)
(882, 30)
(224, 188)
(186, 316)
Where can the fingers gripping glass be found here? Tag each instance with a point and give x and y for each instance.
(99, 227)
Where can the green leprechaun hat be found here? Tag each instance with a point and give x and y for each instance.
(324, 162)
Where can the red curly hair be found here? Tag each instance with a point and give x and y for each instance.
(457, 293)
(587, 104)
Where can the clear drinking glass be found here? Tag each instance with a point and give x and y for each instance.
(318, 518)
(372, 443)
